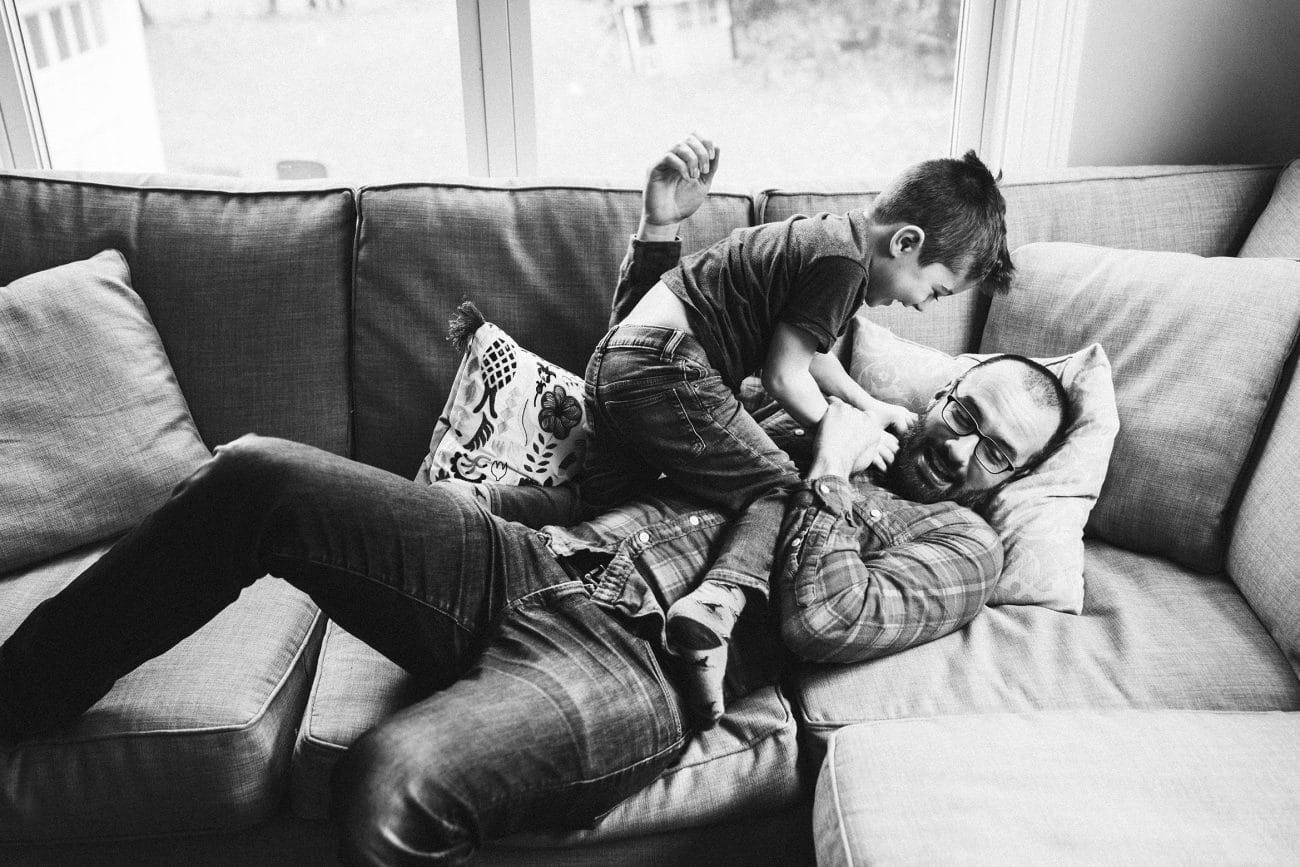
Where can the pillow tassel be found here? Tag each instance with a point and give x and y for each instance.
(462, 324)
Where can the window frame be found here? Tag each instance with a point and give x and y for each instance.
(498, 86)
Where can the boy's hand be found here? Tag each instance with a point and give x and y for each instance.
(676, 186)
(892, 417)
(886, 451)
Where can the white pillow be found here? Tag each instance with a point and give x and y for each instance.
(511, 417)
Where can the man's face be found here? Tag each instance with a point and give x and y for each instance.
(935, 463)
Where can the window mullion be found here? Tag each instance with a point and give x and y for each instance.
(22, 145)
(497, 81)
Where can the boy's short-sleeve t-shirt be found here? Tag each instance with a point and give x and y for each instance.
(809, 272)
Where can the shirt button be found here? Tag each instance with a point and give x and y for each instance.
(823, 487)
(794, 543)
(798, 431)
(695, 520)
(874, 514)
(643, 537)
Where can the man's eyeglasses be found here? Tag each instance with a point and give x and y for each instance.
(959, 420)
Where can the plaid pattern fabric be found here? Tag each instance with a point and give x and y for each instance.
(867, 573)
(863, 572)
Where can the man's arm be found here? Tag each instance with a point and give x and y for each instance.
(859, 583)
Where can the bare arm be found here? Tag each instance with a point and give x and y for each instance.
(834, 380)
(787, 374)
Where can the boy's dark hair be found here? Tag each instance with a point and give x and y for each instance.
(958, 204)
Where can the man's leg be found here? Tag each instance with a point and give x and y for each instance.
(566, 714)
(417, 572)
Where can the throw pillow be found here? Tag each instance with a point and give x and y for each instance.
(94, 431)
(511, 417)
(1198, 348)
(1040, 517)
(1277, 231)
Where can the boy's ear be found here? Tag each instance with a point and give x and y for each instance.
(906, 241)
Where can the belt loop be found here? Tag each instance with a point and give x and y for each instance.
(671, 346)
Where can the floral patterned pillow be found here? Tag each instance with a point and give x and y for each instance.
(511, 417)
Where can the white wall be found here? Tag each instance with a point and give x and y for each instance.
(1188, 81)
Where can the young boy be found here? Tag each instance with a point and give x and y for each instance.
(661, 387)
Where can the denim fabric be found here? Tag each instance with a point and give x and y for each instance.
(657, 405)
(547, 711)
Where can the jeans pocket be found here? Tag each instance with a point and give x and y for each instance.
(657, 425)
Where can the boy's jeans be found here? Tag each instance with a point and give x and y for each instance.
(657, 405)
(548, 711)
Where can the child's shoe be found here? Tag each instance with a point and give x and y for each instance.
(703, 619)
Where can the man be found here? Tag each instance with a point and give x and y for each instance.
(551, 696)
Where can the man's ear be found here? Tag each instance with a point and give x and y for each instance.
(906, 241)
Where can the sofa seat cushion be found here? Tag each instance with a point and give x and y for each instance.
(198, 739)
(1122, 787)
(745, 766)
(1151, 635)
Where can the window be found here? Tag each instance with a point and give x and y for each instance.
(792, 91)
(365, 90)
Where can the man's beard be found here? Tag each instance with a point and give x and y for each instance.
(906, 479)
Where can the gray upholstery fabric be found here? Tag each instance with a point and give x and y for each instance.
(541, 262)
(1128, 787)
(198, 739)
(1206, 210)
(248, 288)
(1196, 346)
(1151, 635)
(94, 432)
(1277, 231)
(1264, 555)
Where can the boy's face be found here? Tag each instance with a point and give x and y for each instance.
(896, 275)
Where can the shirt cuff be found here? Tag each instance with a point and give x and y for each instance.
(658, 254)
(835, 494)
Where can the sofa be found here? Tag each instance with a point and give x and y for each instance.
(1160, 723)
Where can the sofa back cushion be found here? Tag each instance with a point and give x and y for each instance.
(540, 262)
(248, 288)
(1264, 557)
(1206, 210)
(1197, 347)
(1277, 231)
(94, 433)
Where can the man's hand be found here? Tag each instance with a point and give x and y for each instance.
(850, 440)
(676, 186)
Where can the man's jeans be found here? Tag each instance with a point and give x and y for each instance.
(657, 405)
(547, 710)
